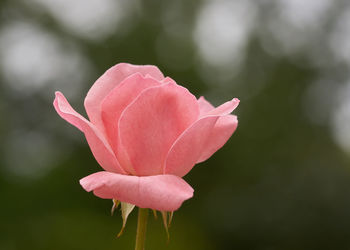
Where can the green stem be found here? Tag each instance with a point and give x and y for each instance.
(141, 229)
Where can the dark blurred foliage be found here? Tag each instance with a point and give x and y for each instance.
(281, 182)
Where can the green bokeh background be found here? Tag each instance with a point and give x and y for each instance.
(281, 182)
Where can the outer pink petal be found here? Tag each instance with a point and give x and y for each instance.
(225, 109)
(108, 81)
(98, 144)
(222, 131)
(168, 80)
(159, 192)
(204, 106)
(189, 147)
(150, 125)
(118, 99)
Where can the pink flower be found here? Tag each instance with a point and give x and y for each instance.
(147, 132)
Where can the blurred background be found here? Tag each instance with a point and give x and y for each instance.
(281, 182)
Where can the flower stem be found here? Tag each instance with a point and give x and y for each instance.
(141, 229)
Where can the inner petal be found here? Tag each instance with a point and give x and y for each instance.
(150, 125)
(118, 99)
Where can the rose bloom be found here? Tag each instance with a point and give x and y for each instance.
(147, 132)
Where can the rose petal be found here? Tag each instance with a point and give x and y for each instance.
(98, 144)
(222, 131)
(167, 80)
(225, 109)
(159, 192)
(204, 106)
(188, 147)
(192, 143)
(150, 125)
(108, 81)
(120, 97)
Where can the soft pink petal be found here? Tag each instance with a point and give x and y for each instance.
(185, 152)
(190, 146)
(168, 80)
(204, 106)
(98, 144)
(117, 100)
(222, 131)
(108, 81)
(150, 125)
(225, 109)
(159, 192)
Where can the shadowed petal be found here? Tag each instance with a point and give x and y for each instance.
(108, 81)
(159, 192)
(98, 144)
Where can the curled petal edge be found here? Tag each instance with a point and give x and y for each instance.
(98, 144)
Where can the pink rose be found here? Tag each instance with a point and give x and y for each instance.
(147, 132)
